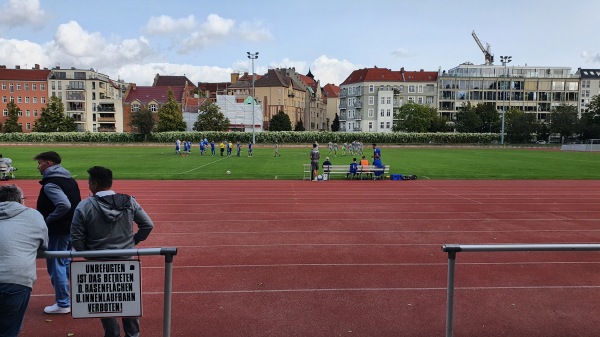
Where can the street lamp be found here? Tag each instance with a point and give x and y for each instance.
(253, 56)
(504, 60)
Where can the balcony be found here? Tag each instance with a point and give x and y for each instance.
(343, 105)
(343, 116)
(343, 94)
(106, 119)
(357, 128)
(358, 116)
(358, 105)
(107, 129)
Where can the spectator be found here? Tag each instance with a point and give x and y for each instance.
(314, 161)
(378, 164)
(104, 221)
(353, 169)
(59, 196)
(23, 237)
(364, 163)
(326, 165)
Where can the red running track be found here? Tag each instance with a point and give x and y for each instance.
(358, 258)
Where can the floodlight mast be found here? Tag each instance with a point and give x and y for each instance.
(253, 56)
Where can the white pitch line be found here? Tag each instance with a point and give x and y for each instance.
(199, 167)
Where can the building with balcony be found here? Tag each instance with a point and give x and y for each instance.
(315, 110)
(589, 86)
(27, 88)
(530, 89)
(92, 99)
(370, 97)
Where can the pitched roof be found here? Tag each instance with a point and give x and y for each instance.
(278, 78)
(24, 74)
(172, 81)
(387, 75)
(331, 90)
(147, 94)
(589, 73)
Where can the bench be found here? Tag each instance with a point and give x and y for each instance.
(367, 171)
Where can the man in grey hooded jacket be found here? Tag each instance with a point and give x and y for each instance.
(105, 221)
(23, 237)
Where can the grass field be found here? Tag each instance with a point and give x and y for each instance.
(160, 162)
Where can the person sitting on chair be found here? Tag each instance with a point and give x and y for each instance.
(378, 164)
(353, 169)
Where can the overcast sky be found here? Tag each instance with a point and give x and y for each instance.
(207, 40)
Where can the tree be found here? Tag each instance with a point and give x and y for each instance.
(564, 120)
(299, 126)
(468, 120)
(520, 126)
(589, 123)
(280, 122)
(335, 125)
(211, 118)
(414, 117)
(490, 118)
(143, 121)
(53, 119)
(12, 122)
(170, 117)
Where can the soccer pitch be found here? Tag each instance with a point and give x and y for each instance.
(152, 161)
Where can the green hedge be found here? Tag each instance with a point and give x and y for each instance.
(261, 137)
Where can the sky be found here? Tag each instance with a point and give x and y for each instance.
(206, 41)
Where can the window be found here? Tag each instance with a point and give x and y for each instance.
(420, 89)
(27, 113)
(135, 107)
(20, 113)
(19, 99)
(411, 89)
(28, 126)
(59, 85)
(420, 99)
(43, 100)
(388, 112)
(53, 85)
(3, 86)
(382, 113)
(371, 113)
(370, 125)
(18, 86)
(429, 99)
(381, 125)
(153, 107)
(388, 100)
(11, 87)
(34, 100)
(26, 99)
(371, 88)
(5, 112)
(35, 113)
(42, 86)
(34, 86)
(27, 86)
(4, 99)
(387, 125)
(382, 100)
(411, 99)
(371, 100)
(401, 88)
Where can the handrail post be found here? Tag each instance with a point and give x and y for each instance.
(451, 250)
(168, 289)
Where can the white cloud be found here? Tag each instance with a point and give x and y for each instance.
(21, 13)
(590, 58)
(22, 53)
(254, 32)
(332, 70)
(143, 74)
(212, 31)
(74, 46)
(401, 53)
(168, 25)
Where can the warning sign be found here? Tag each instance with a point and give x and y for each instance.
(106, 288)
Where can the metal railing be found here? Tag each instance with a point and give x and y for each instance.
(168, 252)
(452, 249)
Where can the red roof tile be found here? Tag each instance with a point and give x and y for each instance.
(387, 75)
(145, 94)
(24, 74)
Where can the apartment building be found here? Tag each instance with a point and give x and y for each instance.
(530, 89)
(590, 86)
(151, 98)
(27, 88)
(91, 98)
(280, 90)
(332, 95)
(369, 97)
(315, 117)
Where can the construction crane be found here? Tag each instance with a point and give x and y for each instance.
(489, 57)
